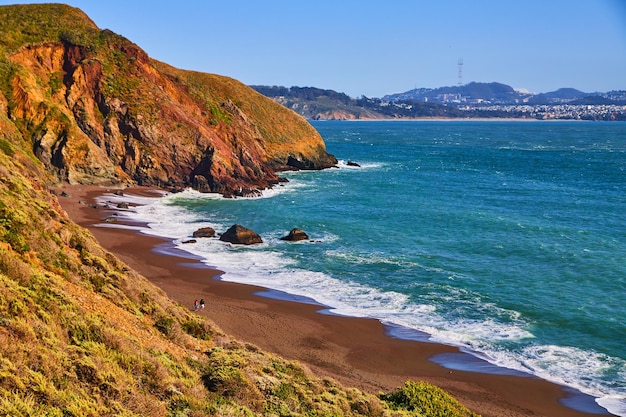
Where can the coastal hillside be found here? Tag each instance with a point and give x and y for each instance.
(81, 334)
(97, 109)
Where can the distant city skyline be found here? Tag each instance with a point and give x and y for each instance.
(374, 49)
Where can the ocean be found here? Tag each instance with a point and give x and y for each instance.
(504, 238)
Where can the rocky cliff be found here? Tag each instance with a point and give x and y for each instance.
(96, 109)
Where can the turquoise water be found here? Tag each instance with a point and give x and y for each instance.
(505, 238)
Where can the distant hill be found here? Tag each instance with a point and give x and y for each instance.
(502, 94)
(315, 103)
(558, 96)
(472, 92)
(318, 104)
(473, 100)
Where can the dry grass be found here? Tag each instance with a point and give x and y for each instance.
(283, 131)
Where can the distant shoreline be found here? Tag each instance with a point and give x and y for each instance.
(473, 100)
(461, 119)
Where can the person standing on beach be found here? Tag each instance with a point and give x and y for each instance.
(195, 305)
(202, 303)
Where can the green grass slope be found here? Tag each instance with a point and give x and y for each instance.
(36, 23)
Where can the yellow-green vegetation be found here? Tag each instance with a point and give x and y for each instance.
(425, 399)
(35, 23)
(215, 93)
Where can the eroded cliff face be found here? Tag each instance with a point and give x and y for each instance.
(111, 115)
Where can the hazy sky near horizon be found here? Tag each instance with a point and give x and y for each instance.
(373, 48)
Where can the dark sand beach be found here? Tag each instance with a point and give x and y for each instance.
(357, 352)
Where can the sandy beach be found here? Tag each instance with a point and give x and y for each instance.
(357, 352)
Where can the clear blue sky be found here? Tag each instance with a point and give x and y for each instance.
(373, 48)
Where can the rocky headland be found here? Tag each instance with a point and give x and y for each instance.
(98, 110)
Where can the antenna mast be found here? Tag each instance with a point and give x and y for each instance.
(460, 75)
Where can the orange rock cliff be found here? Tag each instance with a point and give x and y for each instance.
(96, 109)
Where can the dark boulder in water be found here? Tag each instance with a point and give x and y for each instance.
(352, 164)
(204, 232)
(239, 235)
(295, 235)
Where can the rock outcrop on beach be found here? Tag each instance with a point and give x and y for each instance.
(239, 235)
(97, 109)
(204, 232)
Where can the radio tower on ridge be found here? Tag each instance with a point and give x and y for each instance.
(460, 76)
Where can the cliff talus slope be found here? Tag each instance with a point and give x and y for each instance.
(98, 109)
